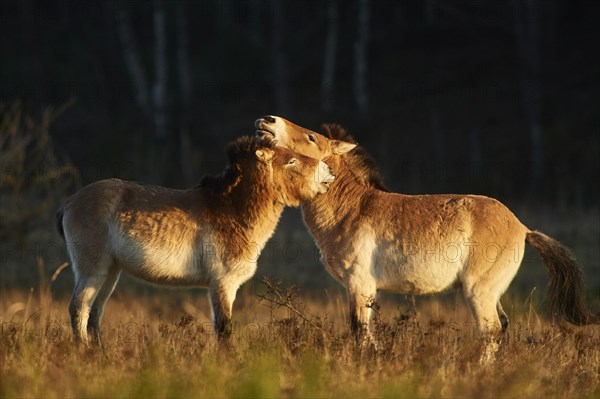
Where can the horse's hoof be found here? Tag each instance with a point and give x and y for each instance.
(504, 323)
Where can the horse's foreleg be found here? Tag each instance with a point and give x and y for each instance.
(221, 300)
(361, 295)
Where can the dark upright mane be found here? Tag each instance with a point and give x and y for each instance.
(363, 164)
(238, 151)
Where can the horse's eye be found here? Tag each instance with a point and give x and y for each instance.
(291, 161)
(311, 137)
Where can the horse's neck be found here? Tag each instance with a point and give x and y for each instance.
(253, 210)
(340, 203)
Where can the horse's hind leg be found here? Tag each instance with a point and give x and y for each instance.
(482, 304)
(484, 310)
(84, 294)
(502, 316)
(91, 265)
(97, 309)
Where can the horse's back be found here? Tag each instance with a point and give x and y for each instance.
(105, 199)
(443, 216)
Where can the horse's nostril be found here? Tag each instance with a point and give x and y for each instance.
(269, 119)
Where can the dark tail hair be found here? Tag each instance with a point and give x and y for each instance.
(566, 290)
(59, 219)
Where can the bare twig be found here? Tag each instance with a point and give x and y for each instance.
(284, 298)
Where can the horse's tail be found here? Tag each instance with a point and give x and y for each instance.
(59, 222)
(566, 291)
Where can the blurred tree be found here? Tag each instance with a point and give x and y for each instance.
(361, 58)
(29, 36)
(154, 107)
(280, 68)
(225, 14)
(155, 110)
(528, 32)
(133, 60)
(430, 9)
(255, 21)
(329, 57)
(160, 66)
(185, 89)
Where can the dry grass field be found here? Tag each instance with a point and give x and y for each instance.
(287, 343)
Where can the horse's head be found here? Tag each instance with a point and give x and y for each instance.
(294, 176)
(315, 145)
(303, 141)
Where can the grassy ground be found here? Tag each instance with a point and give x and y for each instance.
(160, 345)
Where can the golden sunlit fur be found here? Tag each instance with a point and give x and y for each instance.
(209, 236)
(371, 239)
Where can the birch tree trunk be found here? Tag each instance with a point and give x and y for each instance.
(329, 58)
(160, 66)
(430, 8)
(153, 105)
(225, 14)
(475, 153)
(185, 86)
(131, 54)
(360, 59)
(528, 31)
(437, 139)
(280, 70)
(255, 21)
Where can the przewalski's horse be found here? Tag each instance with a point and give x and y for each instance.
(208, 236)
(371, 239)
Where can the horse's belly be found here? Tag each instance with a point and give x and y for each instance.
(184, 267)
(182, 264)
(421, 264)
(416, 276)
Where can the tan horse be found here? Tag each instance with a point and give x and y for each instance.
(371, 239)
(208, 236)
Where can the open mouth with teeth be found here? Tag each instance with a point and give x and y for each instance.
(262, 132)
(263, 129)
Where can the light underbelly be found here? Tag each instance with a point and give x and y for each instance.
(178, 264)
(411, 275)
(171, 269)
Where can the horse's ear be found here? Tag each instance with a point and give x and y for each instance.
(264, 155)
(341, 147)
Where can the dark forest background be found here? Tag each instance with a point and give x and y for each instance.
(499, 98)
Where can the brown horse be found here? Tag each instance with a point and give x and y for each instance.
(371, 239)
(208, 236)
